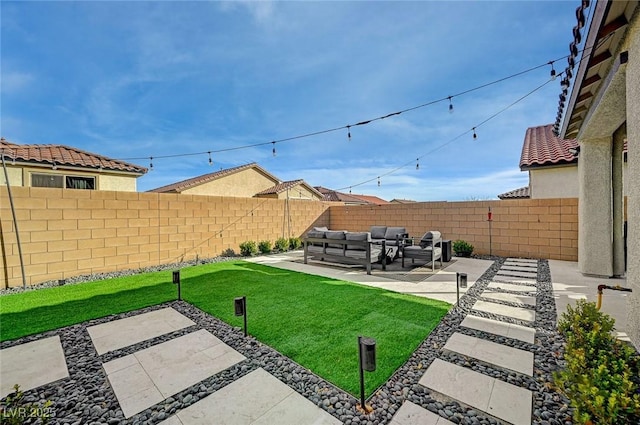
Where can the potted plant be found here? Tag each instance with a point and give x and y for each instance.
(462, 248)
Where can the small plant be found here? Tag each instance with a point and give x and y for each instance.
(295, 243)
(229, 252)
(265, 247)
(462, 248)
(17, 412)
(600, 369)
(248, 248)
(282, 244)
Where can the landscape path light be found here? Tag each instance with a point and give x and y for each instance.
(240, 307)
(367, 355)
(176, 280)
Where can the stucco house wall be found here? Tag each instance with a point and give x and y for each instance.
(243, 184)
(554, 182)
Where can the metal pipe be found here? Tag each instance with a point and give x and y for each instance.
(601, 289)
(15, 221)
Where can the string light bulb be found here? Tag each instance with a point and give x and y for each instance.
(349, 132)
(55, 167)
(475, 136)
(450, 106)
(349, 190)
(553, 71)
(417, 163)
(273, 151)
(378, 181)
(210, 160)
(150, 163)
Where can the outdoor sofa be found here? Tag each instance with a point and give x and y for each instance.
(364, 248)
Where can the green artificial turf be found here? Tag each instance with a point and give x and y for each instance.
(313, 320)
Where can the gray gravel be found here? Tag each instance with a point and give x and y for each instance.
(86, 396)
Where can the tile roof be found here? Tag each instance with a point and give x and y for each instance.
(205, 178)
(402, 201)
(371, 199)
(281, 187)
(65, 155)
(521, 193)
(542, 147)
(335, 196)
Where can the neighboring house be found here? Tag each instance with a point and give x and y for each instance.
(602, 111)
(552, 165)
(66, 167)
(521, 193)
(347, 198)
(402, 201)
(244, 181)
(295, 189)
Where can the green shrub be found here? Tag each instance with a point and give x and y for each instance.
(16, 411)
(282, 244)
(265, 247)
(295, 243)
(248, 248)
(598, 378)
(462, 248)
(229, 252)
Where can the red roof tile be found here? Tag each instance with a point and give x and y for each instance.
(64, 155)
(542, 147)
(521, 193)
(205, 178)
(281, 187)
(335, 196)
(371, 199)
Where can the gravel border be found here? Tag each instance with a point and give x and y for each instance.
(86, 396)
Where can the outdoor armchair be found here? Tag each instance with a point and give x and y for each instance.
(429, 249)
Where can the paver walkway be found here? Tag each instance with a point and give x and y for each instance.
(507, 402)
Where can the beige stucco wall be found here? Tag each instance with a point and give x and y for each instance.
(554, 182)
(15, 176)
(118, 183)
(243, 184)
(632, 179)
(299, 192)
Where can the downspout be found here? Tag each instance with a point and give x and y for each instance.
(15, 220)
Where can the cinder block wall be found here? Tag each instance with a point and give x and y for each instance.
(536, 228)
(66, 233)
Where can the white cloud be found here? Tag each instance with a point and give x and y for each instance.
(14, 82)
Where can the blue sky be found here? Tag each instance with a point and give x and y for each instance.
(140, 79)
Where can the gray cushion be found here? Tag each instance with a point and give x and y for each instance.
(315, 234)
(357, 236)
(321, 229)
(335, 235)
(377, 232)
(429, 237)
(392, 232)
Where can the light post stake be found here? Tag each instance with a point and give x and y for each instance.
(490, 219)
(367, 361)
(461, 282)
(176, 280)
(240, 306)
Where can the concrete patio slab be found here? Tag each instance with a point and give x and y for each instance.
(516, 277)
(569, 285)
(131, 330)
(521, 260)
(412, 414)
(32, 364)
(500, 399)
(489, 352)
(439, 286)
(505, 310)
(511, 287)
(512, 298)
(496, 327)
(147, 377)
(256, 398)
(519, 270)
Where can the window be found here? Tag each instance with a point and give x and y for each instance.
(59, 180)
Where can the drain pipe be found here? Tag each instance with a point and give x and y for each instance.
(15, 220)
(601, 289)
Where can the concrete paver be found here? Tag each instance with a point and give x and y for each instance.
(256, 398)
(147, 377)
(412, 414)
(516, 277)
(510, 287)
(131, 330)
(490, 352)
(500, 399)
(496, 327)
(32, 364)
(505, 310)
(513, 298)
